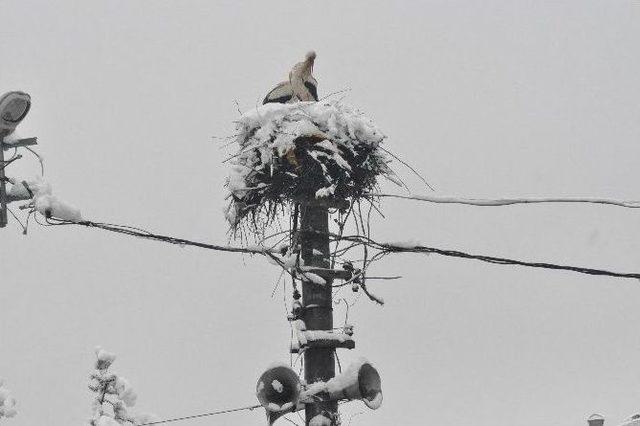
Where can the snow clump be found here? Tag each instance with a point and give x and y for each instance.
(42, 199)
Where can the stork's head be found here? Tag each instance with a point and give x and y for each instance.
(308, 59)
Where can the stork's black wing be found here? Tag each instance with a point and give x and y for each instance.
(281, 94)
(280, 100)
(312, 89)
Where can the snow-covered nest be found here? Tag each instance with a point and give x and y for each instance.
(300, 152)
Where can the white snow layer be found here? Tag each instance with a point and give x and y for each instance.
(409, 244)
(104, 358)
(326, 191)
(125, 392)
(107, 421)
(44, 201)
(277, 386)
(11, 138)
(632, 420)
(314, 278)
(315, 335)
(339, 120)
(350, 375)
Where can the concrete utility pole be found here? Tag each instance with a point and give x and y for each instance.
(319, 362)
(279, 389)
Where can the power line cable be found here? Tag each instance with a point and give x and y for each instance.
(195, 416)
(359, 239)
(141, 233)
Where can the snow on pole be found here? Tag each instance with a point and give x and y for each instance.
(42, 199)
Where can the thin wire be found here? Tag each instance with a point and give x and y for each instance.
(348, 89)
(212, 413)
(24, 227)
(510, 201)
(391, 248)
(9, 161)
(15, 154)
(39, 159)
(289, 420)
(404, 163)
(275, 287)
(395, 277)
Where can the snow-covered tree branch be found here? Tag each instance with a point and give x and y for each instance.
(7, 402)
(114, 396)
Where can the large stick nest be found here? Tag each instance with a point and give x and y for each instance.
(299, 153)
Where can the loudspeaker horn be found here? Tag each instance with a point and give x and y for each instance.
(278, 391)
(360, 381)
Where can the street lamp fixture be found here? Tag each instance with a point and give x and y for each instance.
(14, 106)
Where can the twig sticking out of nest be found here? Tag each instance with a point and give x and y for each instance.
(301, 152)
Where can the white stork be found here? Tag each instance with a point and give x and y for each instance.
(302, 86)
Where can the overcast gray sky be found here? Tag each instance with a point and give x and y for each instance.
(486, 98)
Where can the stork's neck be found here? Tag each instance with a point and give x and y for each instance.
(308, 66)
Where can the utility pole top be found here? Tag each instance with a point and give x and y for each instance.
(14, 107)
